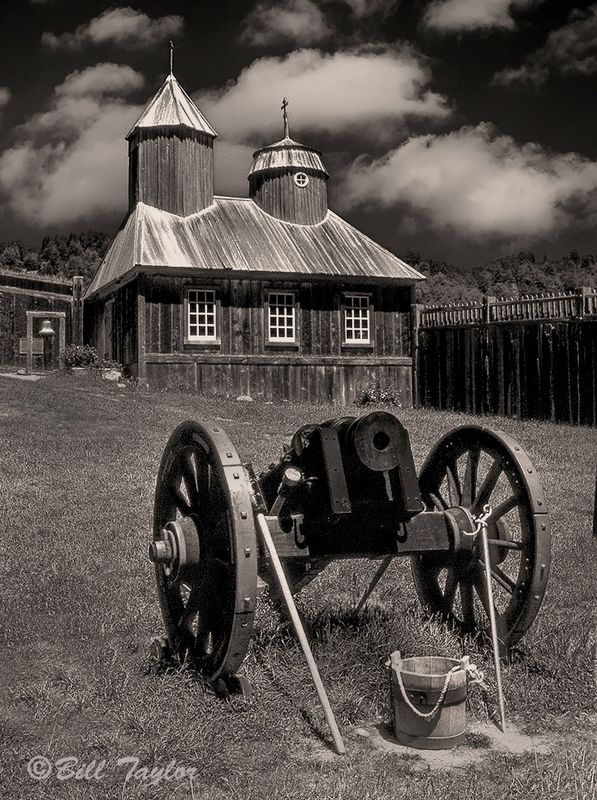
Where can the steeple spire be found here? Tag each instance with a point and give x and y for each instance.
(284, 108)
(171, 56)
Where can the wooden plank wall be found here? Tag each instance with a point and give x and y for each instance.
(275, 379)
(318, 369)
(171, 170)
(242, 317)
(278, 195)
(20, 293)
(531, 369)
(124, 328)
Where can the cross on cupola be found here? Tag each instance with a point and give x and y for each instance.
(284, 108)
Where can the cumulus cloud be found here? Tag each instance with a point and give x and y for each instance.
(118, 26)
(476, 183)
(298, 21)
(302, 22)
(569, 50)
(231, 166)
(367, 8)
(70, 161)
(100, 79)
(369, 89)
(449, 16)
(5, 95)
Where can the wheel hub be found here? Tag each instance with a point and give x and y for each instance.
(178, 550)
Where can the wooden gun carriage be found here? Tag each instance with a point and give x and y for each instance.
(346, 488)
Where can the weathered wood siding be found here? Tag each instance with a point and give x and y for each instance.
(278, 195)
(171, 170)
(20, 293)
(319, 367)
(110, 326)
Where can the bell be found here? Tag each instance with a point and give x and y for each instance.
(46, 328)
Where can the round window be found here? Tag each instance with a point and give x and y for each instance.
(301, 179)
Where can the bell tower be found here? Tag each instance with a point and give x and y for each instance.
(171, 162)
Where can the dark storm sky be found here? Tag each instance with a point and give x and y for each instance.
(463, 129)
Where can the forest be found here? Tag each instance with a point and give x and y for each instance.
(510, 276)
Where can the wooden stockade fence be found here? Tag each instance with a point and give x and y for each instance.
(529, 357)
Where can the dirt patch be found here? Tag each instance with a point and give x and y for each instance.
(21, 377)
(482, 738)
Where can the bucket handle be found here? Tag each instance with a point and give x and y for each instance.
(396, 661)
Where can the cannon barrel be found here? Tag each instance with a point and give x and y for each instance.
(375, 439)
(348, 462)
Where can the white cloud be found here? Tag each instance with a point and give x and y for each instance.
(298, 21)
(231, 167)
(465, 15)
(367, 8)
(569, 50)
(100, 79)
(118, 26)
(5, 95)
(368, 89)
(476, 183)
(70, 160)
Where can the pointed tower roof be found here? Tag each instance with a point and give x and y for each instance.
(171, 106)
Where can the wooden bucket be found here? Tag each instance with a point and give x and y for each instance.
(429, 697)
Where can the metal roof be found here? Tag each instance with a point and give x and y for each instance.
(235, 234)
(171, 106)
(287, 153)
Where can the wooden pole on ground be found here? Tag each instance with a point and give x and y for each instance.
(493, 625)
(379, 573)
(300, 632)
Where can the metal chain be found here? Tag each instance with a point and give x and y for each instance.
(480, 521)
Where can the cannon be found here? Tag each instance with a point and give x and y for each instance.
(345, 488)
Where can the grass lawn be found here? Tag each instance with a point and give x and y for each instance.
(79, 609)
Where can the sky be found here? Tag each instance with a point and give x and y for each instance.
(461, 129)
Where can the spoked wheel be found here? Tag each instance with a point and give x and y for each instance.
(471, 467)
(204, 549)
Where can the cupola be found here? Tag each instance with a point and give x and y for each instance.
(171, 163)
(288, 180)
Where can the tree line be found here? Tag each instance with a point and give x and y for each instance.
(60, 256)
(510, 276)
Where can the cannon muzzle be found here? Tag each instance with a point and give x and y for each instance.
(376, 439)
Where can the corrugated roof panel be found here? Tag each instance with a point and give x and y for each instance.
(120, 258)
(172, 106)
(235, 234)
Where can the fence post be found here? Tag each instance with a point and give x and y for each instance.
(415, 316)
(584, 293)
(488, 300)
(77, 317)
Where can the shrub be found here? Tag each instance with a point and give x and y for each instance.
(80, 355)
(377, 393)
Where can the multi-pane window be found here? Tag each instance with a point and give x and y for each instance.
(281, 319)
(201, 314)
(356, 319)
